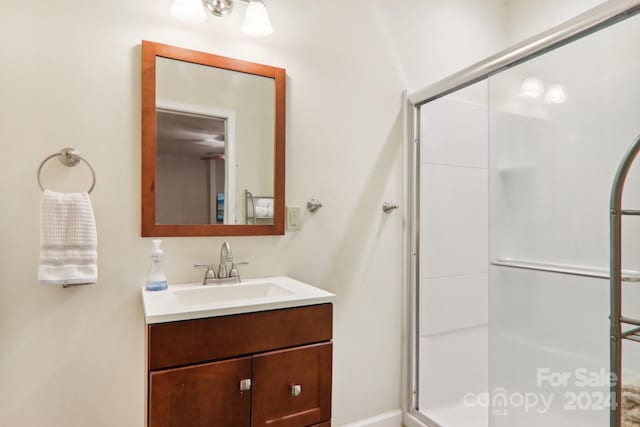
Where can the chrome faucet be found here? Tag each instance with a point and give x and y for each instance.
(225, 257)
(226, 273)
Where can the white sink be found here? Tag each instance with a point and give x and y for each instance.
(194, 301)
(212, 294)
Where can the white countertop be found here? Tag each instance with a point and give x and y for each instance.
(196, 301)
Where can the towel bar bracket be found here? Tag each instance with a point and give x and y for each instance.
(69, 157)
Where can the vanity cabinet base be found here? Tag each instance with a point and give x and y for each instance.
(279, 376)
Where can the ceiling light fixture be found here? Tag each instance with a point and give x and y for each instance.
(256, 20)
(219, 8)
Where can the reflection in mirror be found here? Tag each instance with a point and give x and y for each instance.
(191, 177)
(203, 170)
(217, 139)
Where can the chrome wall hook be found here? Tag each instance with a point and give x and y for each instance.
(388, 207)
(313, 205)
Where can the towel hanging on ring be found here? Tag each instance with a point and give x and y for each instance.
(68, 240)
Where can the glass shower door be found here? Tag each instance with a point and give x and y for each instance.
(559, 125)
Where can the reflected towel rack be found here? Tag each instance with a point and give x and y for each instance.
(68, 157)
(250, 213)
(573, 270)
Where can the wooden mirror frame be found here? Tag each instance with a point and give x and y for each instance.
(150, 51)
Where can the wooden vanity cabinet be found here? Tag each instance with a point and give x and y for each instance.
(292, 387)
(201, 395)
(257, 369)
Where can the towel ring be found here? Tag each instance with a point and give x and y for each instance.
(68, 157)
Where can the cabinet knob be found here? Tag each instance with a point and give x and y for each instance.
(245, 385)
(296, 390)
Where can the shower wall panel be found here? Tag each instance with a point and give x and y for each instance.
(453, 343)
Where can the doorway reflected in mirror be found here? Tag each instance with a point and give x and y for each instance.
(191, 180)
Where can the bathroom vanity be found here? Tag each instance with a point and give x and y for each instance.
(258, 353)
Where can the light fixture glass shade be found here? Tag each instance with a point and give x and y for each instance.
(256, 20)
(531, 88)
(188, 10)
(556, 95)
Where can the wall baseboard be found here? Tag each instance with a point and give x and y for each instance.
(388, 419)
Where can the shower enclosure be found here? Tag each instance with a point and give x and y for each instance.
(513, 162)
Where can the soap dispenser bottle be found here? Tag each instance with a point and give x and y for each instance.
(156, 281)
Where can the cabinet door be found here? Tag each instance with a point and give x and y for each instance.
(292, 388)
(206, 395)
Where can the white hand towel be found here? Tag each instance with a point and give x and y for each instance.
(264, 202)
(263, 212)
(68, 239)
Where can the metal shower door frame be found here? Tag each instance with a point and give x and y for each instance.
(600, 17)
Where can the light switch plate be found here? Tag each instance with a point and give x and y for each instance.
(294, 222)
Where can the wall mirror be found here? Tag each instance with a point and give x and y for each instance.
(213, 144)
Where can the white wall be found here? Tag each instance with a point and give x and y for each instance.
(526, 18)
(433, 39)
(71, 76)
(430, 40)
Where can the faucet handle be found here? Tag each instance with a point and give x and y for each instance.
(234, 269)
(209, 274)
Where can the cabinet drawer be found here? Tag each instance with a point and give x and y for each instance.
(274, 376)
(201, 396)
(194, 341)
